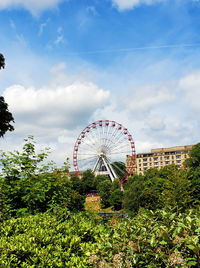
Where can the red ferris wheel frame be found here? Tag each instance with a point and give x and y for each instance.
(132, 157)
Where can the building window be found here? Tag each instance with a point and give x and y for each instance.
(178, 157)
(167, 162)
(145, 159)
(166, 157)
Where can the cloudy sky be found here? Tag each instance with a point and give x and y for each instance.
(71, 62)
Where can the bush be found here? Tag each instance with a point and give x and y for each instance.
(28, 185)
(116, 199)
(59, 239)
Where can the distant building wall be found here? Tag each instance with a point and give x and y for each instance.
(161, 157)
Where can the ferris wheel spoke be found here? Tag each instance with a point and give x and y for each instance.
(115, 153)
(89, 139)
(90, 164)
(109, 138)
(87, 158)
(116, 144)
(86, 161)
(86, 154)
(111, 141)
(92, 136)
(90, 145)
(122, 145)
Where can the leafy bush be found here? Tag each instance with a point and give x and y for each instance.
(151, 239)
(116, 198)
(28, 185)
(168, 187)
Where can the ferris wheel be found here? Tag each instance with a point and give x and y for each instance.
(101, 145)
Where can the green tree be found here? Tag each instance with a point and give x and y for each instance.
(193, 165)
(5, 116)
(2, 61)
(29, 185)
(167, 188)
(104, 190)
(133, 193)
(116, 198)
(119, 168)
(194, 157)
(87, 182)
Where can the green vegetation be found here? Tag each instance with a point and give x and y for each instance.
(28, 185)
(5, 116)
(42, 224)
(58, 239)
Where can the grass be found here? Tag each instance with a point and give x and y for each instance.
(92, 203)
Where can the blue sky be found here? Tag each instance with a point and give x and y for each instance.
(71, 62)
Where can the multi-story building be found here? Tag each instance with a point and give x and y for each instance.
(161, 157)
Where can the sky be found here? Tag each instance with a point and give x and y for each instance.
(72, 62)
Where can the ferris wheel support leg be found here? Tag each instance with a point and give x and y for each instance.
(96, 164)
(110, 170)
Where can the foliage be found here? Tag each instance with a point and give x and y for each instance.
(87, 182)
(2, 61)
(116, 198)
(28, 185)
(169, 187)
(104, 190)
(194, 157)
(193, 163)
(22, 165)
(5, 118)
(58, 239)
(120, 169)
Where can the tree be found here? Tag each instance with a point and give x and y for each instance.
(193, 163)
(29, 185)
(5, 116)
(2, 61)
(104, 190)
(116, 199)
(194, 157)
(119, 168)
(166, 188)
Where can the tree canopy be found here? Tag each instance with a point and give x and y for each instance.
(5, 116)
(2, 61)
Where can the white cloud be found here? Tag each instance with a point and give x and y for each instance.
(34, 6)
(148, 97)
(42, 27)
(64, 106)
(190, 86)
(59, 40)
(54, 115)
(129, 4)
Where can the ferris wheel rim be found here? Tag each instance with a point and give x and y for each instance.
(101, 123)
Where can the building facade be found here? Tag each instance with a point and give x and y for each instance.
(158, 158)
